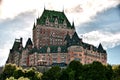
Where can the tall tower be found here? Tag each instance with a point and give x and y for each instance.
(51, 29)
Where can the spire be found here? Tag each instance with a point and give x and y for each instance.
(63, 9)
(75, 36)
(76, 40)
(100, 48)
(44, 7)
(73, 26)
(29, 43)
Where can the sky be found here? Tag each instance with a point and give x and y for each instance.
(96, 21)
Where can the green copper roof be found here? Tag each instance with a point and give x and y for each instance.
(73, 26)
(52, 15)
(16, 46)
(67, 37)
(33, 50)
(100, 49)
(53, 49)
(29, 42)
(76, 40)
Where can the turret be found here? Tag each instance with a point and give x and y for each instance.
(75, 39)
(29, 44)
(100, 49)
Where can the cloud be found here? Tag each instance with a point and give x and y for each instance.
(19, 26)
(104, 28)
(88, 9)
(108, 40)
(80, 10)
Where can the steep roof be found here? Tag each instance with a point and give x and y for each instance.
(100, 49)
(52, 15)
(29, 42)
(53, 49)
(75, 39)
(16, 45)
(73, 25)
(33, 50)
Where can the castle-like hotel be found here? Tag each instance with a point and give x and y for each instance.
(54, 41)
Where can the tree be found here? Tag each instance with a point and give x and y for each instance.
(18, 73)
(52, 74)
(77, 68)
(8, 71)
(21, 78)
(109, 72)
(94, 71)
(67, 74)
(116, 71)
(12, 72)
(11, 78)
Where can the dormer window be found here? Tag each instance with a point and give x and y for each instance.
(64, 24)
(47, 21)
(91, 48)
(56, 22)
(48, 50)
(59, 49)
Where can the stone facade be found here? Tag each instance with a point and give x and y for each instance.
(54, 41)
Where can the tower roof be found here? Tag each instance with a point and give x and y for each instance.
(29, 42)
(100, 48)
(75, 37)
(17, 44)
(52, 15)
(73, 25)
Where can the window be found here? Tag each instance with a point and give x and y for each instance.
(77, 59)
(80, 54)
(75, 54)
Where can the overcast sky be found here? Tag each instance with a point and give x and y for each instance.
(96, 21)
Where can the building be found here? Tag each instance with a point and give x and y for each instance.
(54, 41)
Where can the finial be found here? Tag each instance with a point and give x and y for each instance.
(44, 7)
(73, 25)
(63, 9)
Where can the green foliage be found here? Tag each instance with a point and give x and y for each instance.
(74, 71)
(116, 71)
(11, 78)
(21, 78)
(67, 74)
(52, 74)
(12, 72)
(8, 71)
(77, 68)
(18, 73)
(109, 72)
(94, 71)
